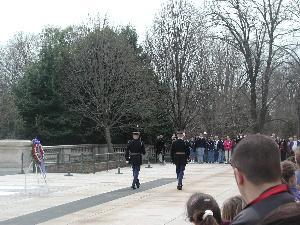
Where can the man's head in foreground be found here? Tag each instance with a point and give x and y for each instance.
(256, 164)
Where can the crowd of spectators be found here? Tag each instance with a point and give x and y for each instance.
(215, 149)
(268, 186)
(212, 149)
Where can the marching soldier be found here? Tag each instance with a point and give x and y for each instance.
(179, 154)
(134, 151)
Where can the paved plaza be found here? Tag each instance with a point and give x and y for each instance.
(105, 197)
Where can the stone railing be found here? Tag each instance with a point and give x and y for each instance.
(89, 158)
(16, 154)
(69, 153)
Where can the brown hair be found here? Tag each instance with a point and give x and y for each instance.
(196, 206)
(232, 207)
(288, 169)
(258, 157)
(285, 214)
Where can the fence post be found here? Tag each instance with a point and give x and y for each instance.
(63, 155)
(107, 160)
(22, 163)
(33, 166)
(57, 159)
(81, 163)
(69, 167)
(119, 162)
(94, 161)
(149, 166)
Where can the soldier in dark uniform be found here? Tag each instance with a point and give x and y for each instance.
(179, 154)
(135, 149)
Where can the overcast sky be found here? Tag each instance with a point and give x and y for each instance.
(33, 15)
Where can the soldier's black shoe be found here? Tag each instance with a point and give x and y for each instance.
(133, 187)
(138, 184)
(179, 187)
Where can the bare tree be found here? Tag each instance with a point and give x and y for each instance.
(293, 87)
(106, 80)
(223, 108)
(15, 56)
(253, 27)
(174, 45)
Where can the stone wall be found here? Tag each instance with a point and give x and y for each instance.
(64, 158)
(11, 153)
(86, 167)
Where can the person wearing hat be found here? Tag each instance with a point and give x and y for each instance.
(135, 149)
(179, 155)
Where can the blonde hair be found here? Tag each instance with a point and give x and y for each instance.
(232, 207)
(288, 169)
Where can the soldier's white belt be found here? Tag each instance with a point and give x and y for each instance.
(180, 153)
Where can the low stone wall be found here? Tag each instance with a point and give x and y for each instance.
(63, 158)
(11, 153)
(86, 167)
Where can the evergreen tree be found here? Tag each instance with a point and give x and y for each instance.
(39, 94)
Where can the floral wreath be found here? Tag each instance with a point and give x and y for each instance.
(38, 153)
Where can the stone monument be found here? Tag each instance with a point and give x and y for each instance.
(11, 154)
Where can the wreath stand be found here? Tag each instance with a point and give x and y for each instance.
(38, 175)
(38, 163)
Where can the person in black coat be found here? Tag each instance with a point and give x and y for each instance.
(216, 149)
(180, 154)
(200, 146)
(159, 148)
(220, 147)
(134, 151)
(283, 147)
(210, 150)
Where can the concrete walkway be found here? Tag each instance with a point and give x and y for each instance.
(105, 197)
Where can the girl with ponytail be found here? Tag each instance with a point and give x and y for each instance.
(202, 209)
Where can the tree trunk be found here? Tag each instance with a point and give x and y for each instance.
(265, 85)
(253, 106)
(298, 109)
(108, 139)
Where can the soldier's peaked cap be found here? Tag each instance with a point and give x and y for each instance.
(136, 133)
(179, 132)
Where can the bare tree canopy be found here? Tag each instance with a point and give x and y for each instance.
(106, 78)
(221, 66)
(255, 28)
(15, 56)
(174, 45)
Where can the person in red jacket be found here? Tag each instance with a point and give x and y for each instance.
(228, 149)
